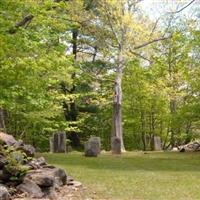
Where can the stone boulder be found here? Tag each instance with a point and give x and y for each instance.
(60, 176)
(190, 147)
(4, 194)
(7, 139)
(4, 175)
(116, 145)
(37, 163)
(29, 150)
(47, 177)
(30, 187)
(41, 177)
(18, 145)
(41, 180)
(3, 161)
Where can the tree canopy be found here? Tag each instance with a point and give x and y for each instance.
(100, 68)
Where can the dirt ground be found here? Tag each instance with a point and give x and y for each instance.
(65, 193)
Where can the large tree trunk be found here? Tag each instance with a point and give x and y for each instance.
(173, 130)
(117, 103)
(172, 103)
(70, 108)
(142, 118)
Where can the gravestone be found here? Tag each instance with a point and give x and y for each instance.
(116, 145)
(93, 147)
(157, 145)
(51, 144)
(58, 143)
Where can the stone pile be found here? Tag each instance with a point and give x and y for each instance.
(40, 180)
(190, 147)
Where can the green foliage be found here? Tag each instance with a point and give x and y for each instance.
(15, 160)
(37, 62)
(31, 68)
(160, 99)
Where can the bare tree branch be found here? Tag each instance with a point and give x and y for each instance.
(151, 42)
(183, 8)
(141, 56)
(24, 22)
(110, 24)
(154, 26)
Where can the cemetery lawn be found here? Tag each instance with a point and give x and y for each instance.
(135, 175)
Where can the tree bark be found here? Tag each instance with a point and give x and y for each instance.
(142, 118)
(173, 112)
(70, 108)
(117, 129)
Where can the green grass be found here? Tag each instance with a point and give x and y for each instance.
(135, 175)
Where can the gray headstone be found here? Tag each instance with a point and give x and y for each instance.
(93, 147)
(51, 144)
(55, 142)
(62, 142)
(96, 144)
(157, 143)
(116, 145)
(58, 142)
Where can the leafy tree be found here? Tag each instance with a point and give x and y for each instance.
(32, 66)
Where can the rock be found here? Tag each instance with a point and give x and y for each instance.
(2, 162)
(48, 177)
(49, 166)
(174, 149)
(4, 175)
(116, 145)
(69, 178)
(37, 163)
(7, 139)
(103, 151)
(4, 194)
(41, 161)
(75, 184)
(192, 146)
(49, 192)
(92, 147)
(29, 150)
(60, 175)
(182, 150)
(18, 144)
(28, 186)
(41, 178)
(157, 144)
